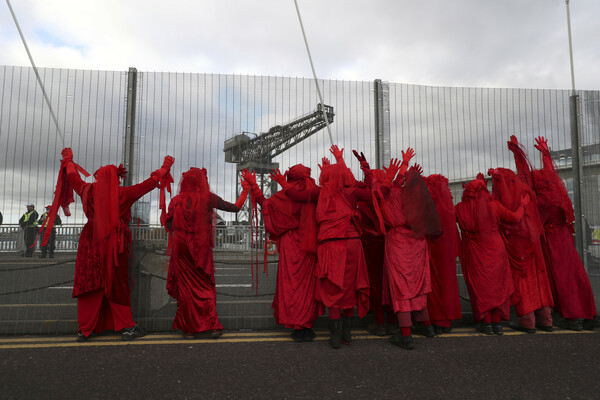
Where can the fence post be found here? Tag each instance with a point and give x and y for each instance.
(128, 154)
(580, 239)
(382, 123)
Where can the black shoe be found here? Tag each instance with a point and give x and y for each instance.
(392, 329)
(405, 342)
(308, 335)
(376, 329)
(485, 329)
(516, 327)
(132, 333)
(544, 328)
(576, 325)
(81, 337)
(347, 330)
(335, 340)
(216, 333)
(298, 335)
(497, 329)
(427, 331)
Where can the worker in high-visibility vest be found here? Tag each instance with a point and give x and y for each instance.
(49, 248)
(29, 224)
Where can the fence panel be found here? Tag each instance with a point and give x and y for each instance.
(457, 132)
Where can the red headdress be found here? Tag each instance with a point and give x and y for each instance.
(107, 234)
(299, 175)
(194, 213)
(418, 206)
(333, 178)
(477, 199)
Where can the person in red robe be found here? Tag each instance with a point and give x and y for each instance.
(293, 225)
(191, 276)
(532, 298)
(443, 302)
(411, 216)
(373, 242)
(342, 278)
(571, 289)
(483, 256)
(101, 282)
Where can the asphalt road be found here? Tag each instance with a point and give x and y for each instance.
(267, 365)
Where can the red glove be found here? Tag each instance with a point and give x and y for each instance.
(325, 162)
(410, 153)
(168, 162)
(417, 167)
(542, 144)
(337, 153)
(513, 141)
(242, 199)
(362, 159)
(525, 199)
(67, 154)
(249, 177)
(277, 177)
(392, 170)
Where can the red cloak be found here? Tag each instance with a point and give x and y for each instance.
(443, 302)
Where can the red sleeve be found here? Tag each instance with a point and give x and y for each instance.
(504, 214)
(303, 196)
(220, 204)
(130, 194)
(258, 196)
(76, 182)
(547, 161)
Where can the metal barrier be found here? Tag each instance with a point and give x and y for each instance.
(455, 131)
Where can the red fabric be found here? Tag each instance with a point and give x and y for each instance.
(93, 262)
(573, 295)
(406, 318)
(418, 207)
(341, 269)
(483, 256)
(443, 302)
(191, 276)
(406, 277)
(95, 313)
(294, 303)
(571, 289)
(63, 197)
(523, 244)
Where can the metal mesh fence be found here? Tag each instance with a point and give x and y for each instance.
(457, 132)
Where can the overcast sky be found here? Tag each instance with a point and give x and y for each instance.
(488, 43)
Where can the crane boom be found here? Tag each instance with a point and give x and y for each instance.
(259, 151)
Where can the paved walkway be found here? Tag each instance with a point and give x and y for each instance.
(267, 365)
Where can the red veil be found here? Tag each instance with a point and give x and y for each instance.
(192, 212)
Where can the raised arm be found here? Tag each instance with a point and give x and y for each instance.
(406, 157)
(72, 171)
(255, 192)
(542, 146)
(338, 154)
(303, 196)
(366, 168)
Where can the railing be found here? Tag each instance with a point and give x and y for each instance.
(226, 237)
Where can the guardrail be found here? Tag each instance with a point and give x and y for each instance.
(226, 237)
